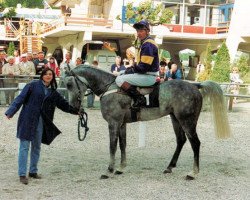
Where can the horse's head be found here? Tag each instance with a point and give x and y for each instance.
(76, 87)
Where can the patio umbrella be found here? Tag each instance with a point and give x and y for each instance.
(187, 51)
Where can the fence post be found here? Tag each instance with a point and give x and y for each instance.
(142, 129)
(20, 87)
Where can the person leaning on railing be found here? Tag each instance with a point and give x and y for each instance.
(2, 62)
(41, 63)
(26, 67)
(10, 69)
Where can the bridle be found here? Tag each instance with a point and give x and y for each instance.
(83, 116)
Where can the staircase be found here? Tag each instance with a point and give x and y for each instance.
(11, 31)
(30, 43)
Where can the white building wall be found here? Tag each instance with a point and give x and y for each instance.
(239, 26)
(76, 41)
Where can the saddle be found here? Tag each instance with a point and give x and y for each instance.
(153, 92)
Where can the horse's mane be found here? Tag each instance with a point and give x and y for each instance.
(94, 72)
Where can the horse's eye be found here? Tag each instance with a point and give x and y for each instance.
(69, 85)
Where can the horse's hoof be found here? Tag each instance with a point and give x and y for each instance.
(189, 178)
(104, 177)
(118, 172)
(167, 171)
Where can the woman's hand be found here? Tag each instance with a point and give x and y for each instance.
(8, 117)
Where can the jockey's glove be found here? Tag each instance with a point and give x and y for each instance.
(130, 70)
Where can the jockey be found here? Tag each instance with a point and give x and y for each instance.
(146, 70)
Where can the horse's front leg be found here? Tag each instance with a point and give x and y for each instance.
(122, 143)
(113, 137)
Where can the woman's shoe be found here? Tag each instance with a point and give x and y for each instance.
(34, 175)
(24, 180)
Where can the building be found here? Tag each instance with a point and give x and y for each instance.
(195, 23)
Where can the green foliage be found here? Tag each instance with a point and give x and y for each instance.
(164, 55)
(221, 70)
(2, 6)
(155, 15)
(11, 49)
(11, 13)
(25, 3)
(244, 68)
(185, 56)
(208, 66)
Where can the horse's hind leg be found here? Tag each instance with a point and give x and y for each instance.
(195, 144)
(189, 126)
(122, 143)
(180, 139)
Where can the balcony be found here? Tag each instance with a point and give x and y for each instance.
(191, 29)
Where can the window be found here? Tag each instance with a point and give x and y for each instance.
(102, 59)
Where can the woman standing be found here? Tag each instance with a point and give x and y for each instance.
(52, 64)
(235, 82)
(35, 123)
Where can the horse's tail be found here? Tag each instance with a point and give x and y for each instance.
(214, 93)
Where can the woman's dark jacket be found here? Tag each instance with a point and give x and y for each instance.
(36, 103)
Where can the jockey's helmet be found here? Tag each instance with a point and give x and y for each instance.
(143, 24)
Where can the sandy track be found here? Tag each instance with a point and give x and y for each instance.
(71, 169)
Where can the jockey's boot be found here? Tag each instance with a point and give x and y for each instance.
(139, 99)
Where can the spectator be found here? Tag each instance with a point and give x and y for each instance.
(2, 62)
(91, 96)
(235, 82)
(129, 63)
(10, 69)
(117, 67)
(41, 63)
(78, 61)
(26, 67)
(162, 72)
(173, 73)
(29, 57)
(39, 100)
(199, 70)
(170, 64)
(17, 57)
(67, 65)
(52, 64)
(34, 56)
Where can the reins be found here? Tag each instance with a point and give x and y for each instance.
(82, 122)
(83, 116)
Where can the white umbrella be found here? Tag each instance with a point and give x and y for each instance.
(187, 51)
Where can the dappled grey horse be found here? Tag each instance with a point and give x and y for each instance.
(179, 99)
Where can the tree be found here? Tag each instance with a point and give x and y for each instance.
(9, 13)
(155, 15)
(11, 49)
(244, 68)
(25, 3)
(221, 70)
(208, 66)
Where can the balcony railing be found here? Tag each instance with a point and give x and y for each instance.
(223, 27)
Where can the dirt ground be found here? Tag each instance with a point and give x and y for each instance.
(71, 169)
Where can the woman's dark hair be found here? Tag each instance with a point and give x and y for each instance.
(170, 64)
(53, 83)
(163, 63)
